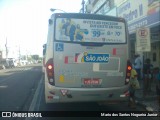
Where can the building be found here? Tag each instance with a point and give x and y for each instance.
(140, 13)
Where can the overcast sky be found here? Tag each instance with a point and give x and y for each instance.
(25, 22)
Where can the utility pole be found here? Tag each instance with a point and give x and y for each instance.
(19, 54)
(83, 2)
(6, 48)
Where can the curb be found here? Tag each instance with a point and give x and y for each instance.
(149, 109)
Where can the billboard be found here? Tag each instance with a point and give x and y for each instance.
(140, 13)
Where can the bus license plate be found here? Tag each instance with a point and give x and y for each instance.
(91, 81)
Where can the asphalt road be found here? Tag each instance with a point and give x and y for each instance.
(17, 87)
(22, 89)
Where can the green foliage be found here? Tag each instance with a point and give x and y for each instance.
(35, 57)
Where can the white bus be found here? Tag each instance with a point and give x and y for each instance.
(86, 58)
(43, 58)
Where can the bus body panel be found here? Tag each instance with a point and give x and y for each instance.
(84, 95)
(71, 71)
(78, 76)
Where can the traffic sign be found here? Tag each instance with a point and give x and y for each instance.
(143, 39)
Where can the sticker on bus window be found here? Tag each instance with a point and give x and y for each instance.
(59, 47)
(89, 30)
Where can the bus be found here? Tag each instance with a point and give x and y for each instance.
(87, 58)
(43, 58)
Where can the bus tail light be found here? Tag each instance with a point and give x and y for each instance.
(128, 72)
(50, 71)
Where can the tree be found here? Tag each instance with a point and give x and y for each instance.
(35, 57)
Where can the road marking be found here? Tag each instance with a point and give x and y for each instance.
(31, 108)
(40, 94)
(3, 86)
(149, 109)
(35, 98)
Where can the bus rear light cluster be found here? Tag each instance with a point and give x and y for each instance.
(128, 72)
(51, 80)
(50, 71)
(127, 80)
(129, 67)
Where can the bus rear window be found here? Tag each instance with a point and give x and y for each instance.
(89, 30)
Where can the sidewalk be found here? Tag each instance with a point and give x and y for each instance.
(150, 102)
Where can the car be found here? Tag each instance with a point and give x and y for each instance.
(4, 63)
(2, 66)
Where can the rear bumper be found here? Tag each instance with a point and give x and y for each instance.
(58, 94)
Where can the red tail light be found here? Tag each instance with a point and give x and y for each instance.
(50, 71)
(50, 67)
(129, 67)
(128, 72)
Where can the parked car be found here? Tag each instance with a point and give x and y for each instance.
(23, 62)
(4, 64)
(12, 62)
(8, 63)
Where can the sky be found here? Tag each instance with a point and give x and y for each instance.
(24, 23)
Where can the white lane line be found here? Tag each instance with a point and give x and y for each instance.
(40, 94)
(35, 98)
(149, 109)
(33, 103)
(3, 86)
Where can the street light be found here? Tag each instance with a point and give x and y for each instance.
(52, 10)
(83, 2)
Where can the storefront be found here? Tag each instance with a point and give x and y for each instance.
(154, 54)
(143, 13)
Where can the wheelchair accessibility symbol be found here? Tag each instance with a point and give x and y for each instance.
(59, 47)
